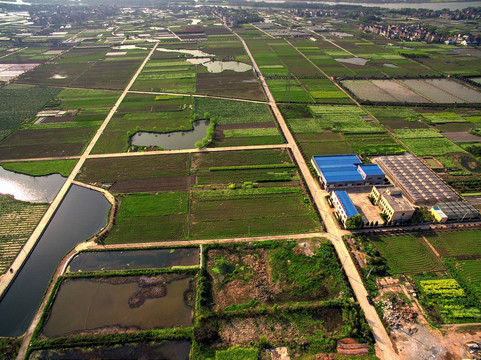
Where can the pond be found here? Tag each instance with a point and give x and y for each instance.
(391, 66)
(143, 302)
(82, 214)
(195, 53)
(219, 66)
(173, 140)
(30, 188)
(172, 350)
(134, 259)
(353, 61)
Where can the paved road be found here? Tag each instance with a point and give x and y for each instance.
(384, 349)
(58, 199)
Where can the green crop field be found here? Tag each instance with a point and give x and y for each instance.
(237, 213)
(348, 119)
(20, 103)
(427, 142)
(456, 243)
(40, 168)
(407, 254)
(450, 299)
(144, 112)
(233, 112)
(150, 218)
(469, 273)
(17, 221)
(373, 144)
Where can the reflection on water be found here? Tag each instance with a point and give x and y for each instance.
(134, 259)
(82, 213)
(30, 188)
(174, 140)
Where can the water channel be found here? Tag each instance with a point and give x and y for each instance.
(30, 188)
(173, 140)
(134, 259)
(82, 213)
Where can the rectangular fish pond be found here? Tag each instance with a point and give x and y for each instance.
(172, 350)
(112, 260)
(117, 303)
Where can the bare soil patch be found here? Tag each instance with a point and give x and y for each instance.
(462, 137)
(230, 84)
(176, 183)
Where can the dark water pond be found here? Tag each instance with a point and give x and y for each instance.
(82, 213)
(172, 350)
(134, 259)
(30, 188)
(174, 140)
(146, 302)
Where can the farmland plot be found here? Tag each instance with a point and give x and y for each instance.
(17, 221)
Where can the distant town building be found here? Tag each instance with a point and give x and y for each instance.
(337, 171)
(343, 205)
(392, 203)
(417, 183)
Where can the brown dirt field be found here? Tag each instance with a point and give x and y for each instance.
(281, 330)
(53, 119)
(40, 151)
(110, 170)
(462, 137)
(176, 183)
(241, 85)
(217, 30)
(256, 283)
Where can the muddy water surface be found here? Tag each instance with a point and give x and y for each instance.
(90, 304)
(134, 259)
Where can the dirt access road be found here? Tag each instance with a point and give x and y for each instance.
(384, 348)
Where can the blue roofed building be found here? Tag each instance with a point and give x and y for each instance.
(343, 205)
(337, 171)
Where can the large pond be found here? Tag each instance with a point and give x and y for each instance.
(353, 61)
(134, 259)
(220, 66)
(82, 213)
(174, 140)
(172, 350)
(145, 302)
(30, 188)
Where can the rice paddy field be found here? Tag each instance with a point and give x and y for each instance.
(407, 254)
